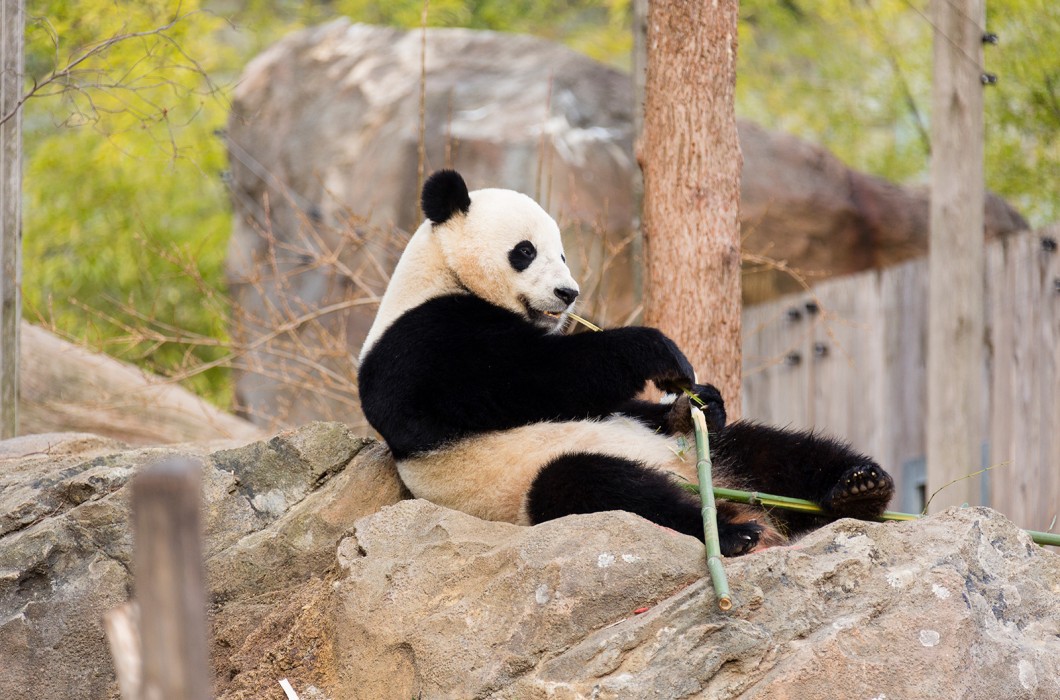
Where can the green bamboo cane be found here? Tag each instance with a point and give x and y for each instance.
(803, 506)
(710, 512)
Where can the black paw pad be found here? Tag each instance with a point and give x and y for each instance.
(738, 538)
(862, 492)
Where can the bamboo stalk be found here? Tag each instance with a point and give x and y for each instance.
(803, 506)
(710, 512)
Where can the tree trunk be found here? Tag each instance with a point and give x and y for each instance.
(12, 14)
(690, 156)
(955, 300)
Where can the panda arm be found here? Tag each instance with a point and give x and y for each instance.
(458, 365)
(548, 377)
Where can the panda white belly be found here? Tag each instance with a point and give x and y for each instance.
(489, 475)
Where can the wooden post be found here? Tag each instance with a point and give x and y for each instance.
(170, 582)
(12, 24)
(690, 156)
(122, 625)
(955, 297)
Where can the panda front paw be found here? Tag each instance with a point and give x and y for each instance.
(708, 399)
(738, 538)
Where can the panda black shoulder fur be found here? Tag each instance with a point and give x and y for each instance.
(488, 409)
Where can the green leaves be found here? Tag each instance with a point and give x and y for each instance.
(122, 177)
(856, 77)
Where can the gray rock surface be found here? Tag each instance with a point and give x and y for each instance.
(323, 142)
(273, 514)
(432, 603)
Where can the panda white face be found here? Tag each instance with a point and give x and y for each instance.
(503, 247)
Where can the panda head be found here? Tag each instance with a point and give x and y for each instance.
(501, 246)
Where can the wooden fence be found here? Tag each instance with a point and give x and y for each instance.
(851, 358)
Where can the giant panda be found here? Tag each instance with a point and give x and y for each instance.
(489, 408)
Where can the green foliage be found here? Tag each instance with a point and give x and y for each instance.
(830, 72)
(1023, 110)
(856, 77)
(121, 181)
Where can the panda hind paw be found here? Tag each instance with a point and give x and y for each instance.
(862, 492)
(738, 538)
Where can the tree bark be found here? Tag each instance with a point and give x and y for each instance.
(690, 156)
(955, 298)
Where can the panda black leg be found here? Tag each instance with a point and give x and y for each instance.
(589, 483)
(804, 465)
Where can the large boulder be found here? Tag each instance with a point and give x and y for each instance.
(433, 603)
(324, 145)
(273, 515)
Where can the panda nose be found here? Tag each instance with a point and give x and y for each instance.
(566, 295)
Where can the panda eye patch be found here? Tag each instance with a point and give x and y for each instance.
(522, 255)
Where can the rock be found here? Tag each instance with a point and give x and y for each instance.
(68, 388)
(433, 603)
(309, 580)
(273, 515)
(324, 151)
(801, 205)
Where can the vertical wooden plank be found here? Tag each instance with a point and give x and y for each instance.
(1026, 311)
(775, 364)
(955, 295)
(847, 357)
(998, 315)
(1015, 411)
(170, 582)
(904, 402)
(1047, 511)
(755, 386)
(12, 22)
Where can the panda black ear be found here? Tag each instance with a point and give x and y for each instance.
(444, 194)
